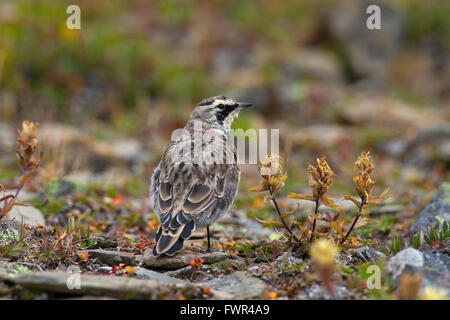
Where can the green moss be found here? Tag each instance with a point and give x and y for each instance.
(7, 233)
(15, 267)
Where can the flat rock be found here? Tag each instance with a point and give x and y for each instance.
(29, 215)
(439, 206)
(181, 259)
(59, 282)
(436, 271)
(239, 285)
(114, 258)
(74, 284)
(142, 273)
(367, 254)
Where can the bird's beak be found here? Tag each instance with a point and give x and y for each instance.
(242, 105)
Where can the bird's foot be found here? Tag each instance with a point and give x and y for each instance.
(207, 250)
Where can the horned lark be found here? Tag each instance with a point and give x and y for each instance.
(197, 179)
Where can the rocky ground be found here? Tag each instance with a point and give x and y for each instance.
(107, 240)
(109, 97)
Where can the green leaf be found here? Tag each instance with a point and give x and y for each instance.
(445, 226)
(395, 245)
(440, 219)
(417, 240)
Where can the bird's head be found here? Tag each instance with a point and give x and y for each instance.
(218, 111)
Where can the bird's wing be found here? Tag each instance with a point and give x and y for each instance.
(183, 191)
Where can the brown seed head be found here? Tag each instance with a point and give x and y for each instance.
(363, 182)
(320, 177)
(27, 144)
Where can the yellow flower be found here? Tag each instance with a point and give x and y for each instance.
(272, 295)
(323, 253)
(68, 34)
(431, 293)
(130, 269)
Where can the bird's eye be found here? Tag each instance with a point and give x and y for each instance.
(221, 106)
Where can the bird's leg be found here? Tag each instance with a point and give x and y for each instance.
(209, 242)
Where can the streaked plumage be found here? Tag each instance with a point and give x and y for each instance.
(192, 193)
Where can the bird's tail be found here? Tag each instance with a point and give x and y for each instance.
(170, 241)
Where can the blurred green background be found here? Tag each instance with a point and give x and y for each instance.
(136, 68)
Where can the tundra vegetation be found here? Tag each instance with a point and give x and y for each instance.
(360, 183)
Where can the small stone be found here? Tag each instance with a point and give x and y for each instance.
(29, 215)
(240, 285)
(104, 269)
(409, 258)
(181, 273)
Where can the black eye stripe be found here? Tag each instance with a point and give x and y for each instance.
(223, 114)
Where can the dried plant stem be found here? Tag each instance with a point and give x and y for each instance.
(328, 285)
(315, 215)
(13, 198)
(279, 213)
(359, 213)
(314, 222)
